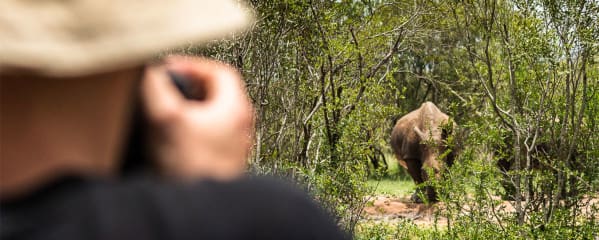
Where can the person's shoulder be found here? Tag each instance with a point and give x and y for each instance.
(279, 209)
(248, 207)
(261, 207)
(145, 207)
(265, 187)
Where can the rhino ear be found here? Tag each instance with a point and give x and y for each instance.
(419, 133)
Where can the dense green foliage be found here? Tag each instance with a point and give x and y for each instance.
(329, 78)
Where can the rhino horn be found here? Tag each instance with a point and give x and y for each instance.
(419, 133)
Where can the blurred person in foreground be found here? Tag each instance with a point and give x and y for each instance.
(73, 77)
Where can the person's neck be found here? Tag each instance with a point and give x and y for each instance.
(52, 127)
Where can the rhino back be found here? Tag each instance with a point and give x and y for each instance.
(404, 140)
(430, 117)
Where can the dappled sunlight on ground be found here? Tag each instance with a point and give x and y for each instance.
(392, 208)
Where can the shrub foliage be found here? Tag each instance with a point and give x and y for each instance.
(328, 78)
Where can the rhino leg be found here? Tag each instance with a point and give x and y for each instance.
(414, 167)
(433, 165)
(426, 191)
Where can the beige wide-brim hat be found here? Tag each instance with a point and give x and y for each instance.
(79, 37)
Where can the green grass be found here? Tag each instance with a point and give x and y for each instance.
(392, 166)
(391, 187)
(396, 181)
(405, 229)
(394, 170)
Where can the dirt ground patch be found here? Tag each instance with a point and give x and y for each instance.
(390, 209)
(393, 209)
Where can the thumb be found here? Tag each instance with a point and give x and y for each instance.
(162, 101)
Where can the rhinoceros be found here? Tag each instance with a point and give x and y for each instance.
(418, 140)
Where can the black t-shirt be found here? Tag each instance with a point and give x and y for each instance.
(146, 208)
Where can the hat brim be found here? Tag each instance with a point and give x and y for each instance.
(90, 36)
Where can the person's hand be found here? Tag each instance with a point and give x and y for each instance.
(191, 139)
